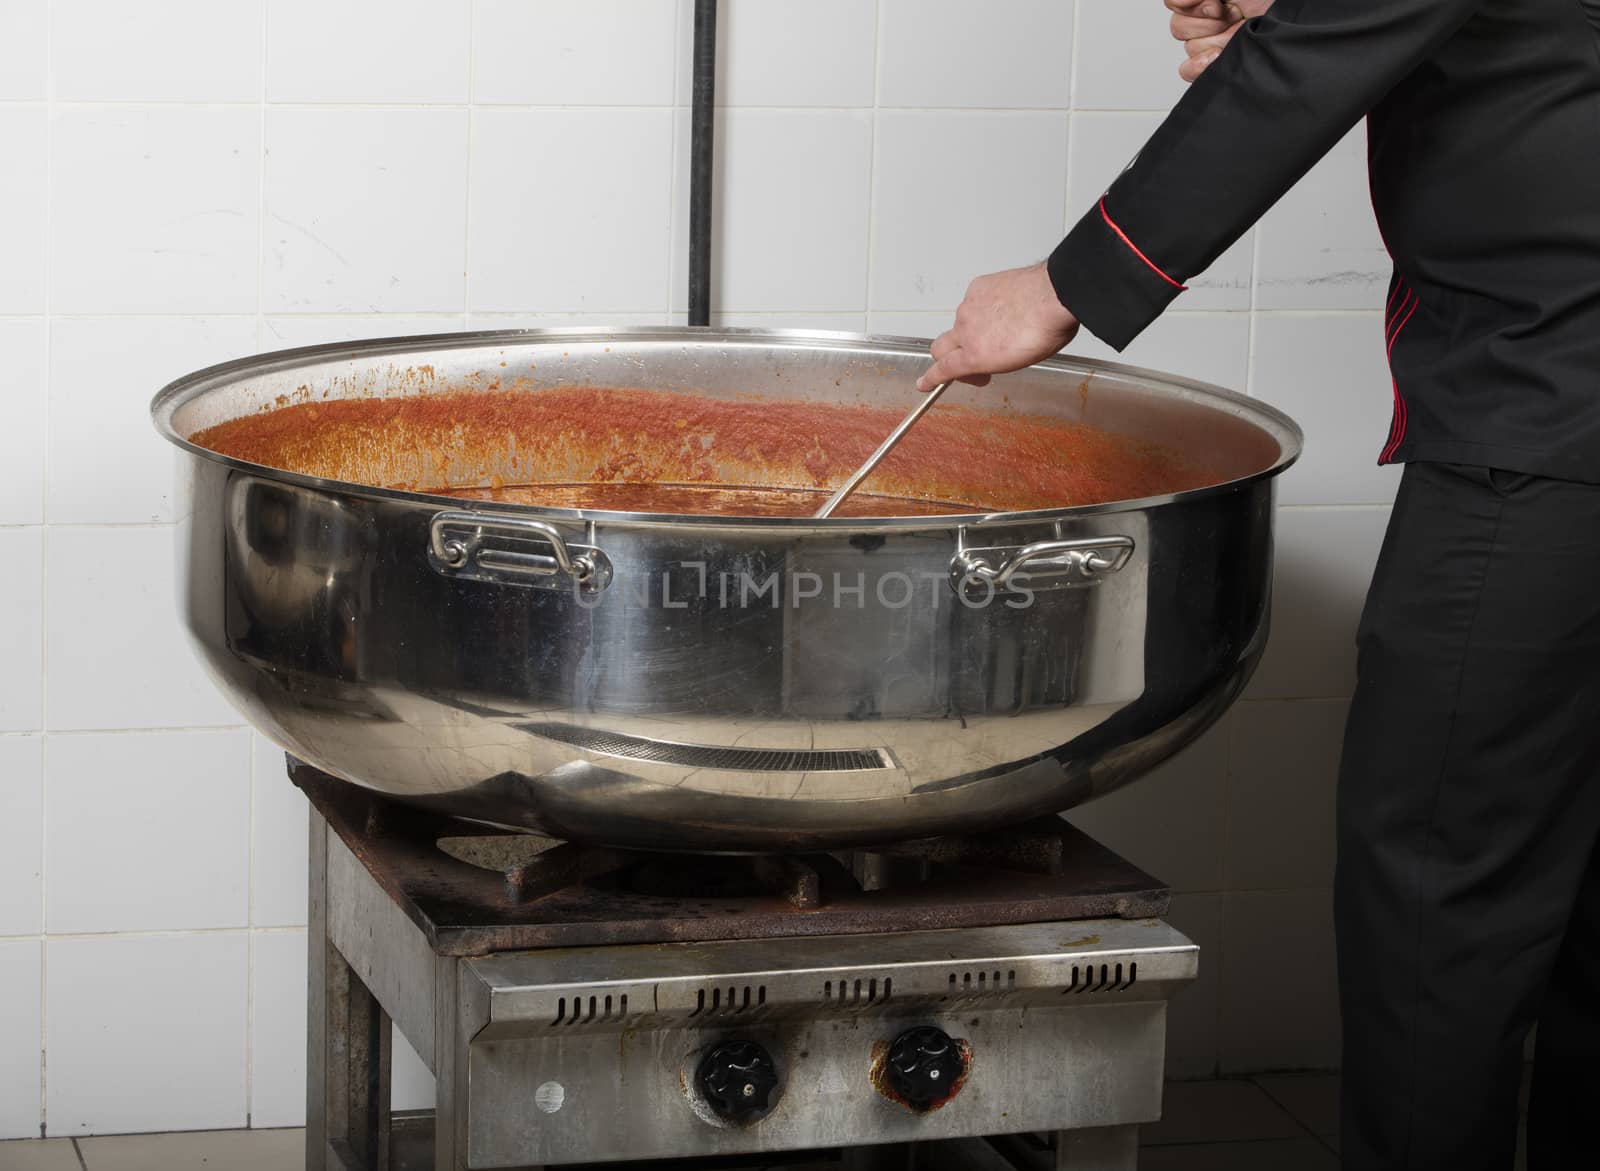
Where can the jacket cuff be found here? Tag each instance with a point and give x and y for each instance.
(1106, 282)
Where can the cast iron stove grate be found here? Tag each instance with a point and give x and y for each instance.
(473, 889)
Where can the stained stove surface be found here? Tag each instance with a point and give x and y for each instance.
(583, 1006)
(475, 889)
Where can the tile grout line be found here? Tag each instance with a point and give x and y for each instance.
(177, 932)
(1227, 1142)
(1077, 42)
(1222, 953)
(1250, 329)
(1255, 1080)
(44, 566)
(872, 161)
(250, 939)
(261, 192)
(190, 729)
(1230, 737)
(472, 150)
(675, 146)
(1072, 118)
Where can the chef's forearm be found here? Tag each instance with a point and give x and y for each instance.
(1287, 88)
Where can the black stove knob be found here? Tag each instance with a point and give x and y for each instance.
(925, 1066)
(737, 1078)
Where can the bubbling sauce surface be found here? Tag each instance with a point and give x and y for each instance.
(655, 451)
(705, 500)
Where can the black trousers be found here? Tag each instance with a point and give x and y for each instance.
(1467, 898)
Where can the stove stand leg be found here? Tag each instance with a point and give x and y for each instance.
(366, 1065)
(1104, 1148)
(319, 1156)
(348, 1057)
(449, 1112)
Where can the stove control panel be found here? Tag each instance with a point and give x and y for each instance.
(695, 1050)
(737, 1079)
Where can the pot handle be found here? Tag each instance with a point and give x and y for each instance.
(464, 544)
(1047, 565)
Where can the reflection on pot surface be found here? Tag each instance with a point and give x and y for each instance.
(697, 682)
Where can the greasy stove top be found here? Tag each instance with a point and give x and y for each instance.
(474, 889)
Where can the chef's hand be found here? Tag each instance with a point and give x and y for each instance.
(1007, 321)
(1206, 26)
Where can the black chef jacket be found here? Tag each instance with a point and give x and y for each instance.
(1484, 148)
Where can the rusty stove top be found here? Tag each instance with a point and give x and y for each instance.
(474, 889)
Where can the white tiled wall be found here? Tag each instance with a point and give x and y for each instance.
(21, 965)
(146, 1032)
(277, 1027)
(186, 180)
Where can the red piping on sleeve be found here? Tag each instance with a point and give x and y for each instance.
(1123, 236)
(1398, 321)
(1389, 308)
(1397, 429)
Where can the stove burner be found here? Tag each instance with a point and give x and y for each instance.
(715, 878)
(474, 889)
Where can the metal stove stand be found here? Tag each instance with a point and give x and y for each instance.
(882, 1009)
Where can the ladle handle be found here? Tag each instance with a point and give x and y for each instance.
(876, 458)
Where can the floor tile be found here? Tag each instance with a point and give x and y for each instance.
(34, 1154)
(1220, 1111)
(1311, 1098)
(200, 1150)
(1300, 1155)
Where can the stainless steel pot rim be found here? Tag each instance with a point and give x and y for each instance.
(174, 395)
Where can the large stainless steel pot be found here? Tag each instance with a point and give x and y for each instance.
(694, 683)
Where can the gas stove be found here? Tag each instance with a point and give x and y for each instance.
(997, 1000)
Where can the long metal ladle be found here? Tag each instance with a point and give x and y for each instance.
(876, 458)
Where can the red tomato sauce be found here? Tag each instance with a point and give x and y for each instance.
(653, 451)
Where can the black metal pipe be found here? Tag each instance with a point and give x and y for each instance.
(701, 122)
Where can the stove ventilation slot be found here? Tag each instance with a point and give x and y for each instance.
(581, 1010)
(721, 1001)
(1102, 978)
(857, 993)
(981, 983)
(756, 760)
